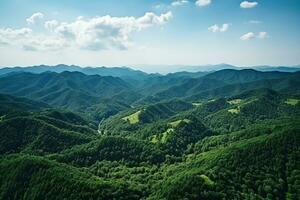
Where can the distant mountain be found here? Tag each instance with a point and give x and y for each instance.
(73, 90)
(277, 68)
(132, 74)
(211, 68)
(165, 69)
(207, 68)
(123, 72)
(230, 76)
(289, 85)
(225, 83)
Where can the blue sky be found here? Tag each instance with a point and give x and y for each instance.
(136, 32)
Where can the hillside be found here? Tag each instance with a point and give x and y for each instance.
(43, 132)
(226, 83)
(72, 90)
(231, 76)
(10, 103)
(44, 179)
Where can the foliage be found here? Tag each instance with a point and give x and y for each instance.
(225, 135)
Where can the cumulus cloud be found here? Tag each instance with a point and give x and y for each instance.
(262, 35)
(108, 32)
(251, 35)
(51, 25)
(25, 38)
(216, 28)
(104, 32)
(44, 44)
(34, 18)
(248, 4)
(255, 22)
(179, 3)
(202, 3)
(248, 36)
(9, 35)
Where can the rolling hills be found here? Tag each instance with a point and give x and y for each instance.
(228, 134)
(70, 90)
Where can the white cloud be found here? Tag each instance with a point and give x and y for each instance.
(248, 4)
(51, 25)
(202, 3)
(25, 38)
(179, 3)
(262, 35)
(44, 44)
(7, 35)
(251, 35)
(104, 32)
(255, 22)
(216, 28)
(34, 18)
(248, 36)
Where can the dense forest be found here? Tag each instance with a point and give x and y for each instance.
(116, 133)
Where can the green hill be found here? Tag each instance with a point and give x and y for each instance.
(33, 177)
(9, 104)
(231, 76)
(127, 150)
(250, 107)
(43, 133)
(262, 167)
(72, 90)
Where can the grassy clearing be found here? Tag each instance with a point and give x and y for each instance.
(234, 111)
(197, 104)
(162, 138)
(207, 180)
(235, 101)
(176, 123)
(292, 102)
(154, 139)
(1, 118)
(239, 103)
(133, 118)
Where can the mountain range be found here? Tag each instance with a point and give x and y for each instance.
(126, 72)
(115, 133)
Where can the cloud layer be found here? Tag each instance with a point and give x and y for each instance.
(202, 3)
(98, 33)
(248, 4)
(179, 3)
(251, 35)
(34, 18)
(216, 28)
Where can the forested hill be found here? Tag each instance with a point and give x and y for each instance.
(228, 134)
(72, 90)
(123, 72)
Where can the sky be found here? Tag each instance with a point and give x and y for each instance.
(149, 32)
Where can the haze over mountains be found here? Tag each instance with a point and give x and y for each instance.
(129, 72)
